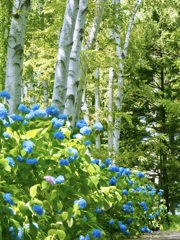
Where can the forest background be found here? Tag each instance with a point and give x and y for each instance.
(116, 62)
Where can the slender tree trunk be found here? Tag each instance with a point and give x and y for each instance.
(121, 53)
(64, 50)
(89, 45)
(14, 65)
(97, 104)
(45, 87)
(72, 81)
(110, 110)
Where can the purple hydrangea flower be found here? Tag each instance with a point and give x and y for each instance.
(50, 179)
(38, 209)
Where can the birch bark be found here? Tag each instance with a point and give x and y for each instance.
(121, 53)
(64, 50)
(72, 81)
(97, 104)
(89, 45)
(14, 65)
(110, 110)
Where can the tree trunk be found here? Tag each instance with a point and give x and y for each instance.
(121, 53)
(110, 110)
(46, 100)
(97, 105)
(89, 45)
(14, 65)
(72, 81)
(64, 50)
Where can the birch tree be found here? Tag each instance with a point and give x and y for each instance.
(64, 51)
(88, 46)
(14, 65)
(72, 80)
(97, 104)
(121, 52)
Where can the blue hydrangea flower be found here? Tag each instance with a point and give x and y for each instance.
(59, 135)
(7, 198)
(23, 108)
(143, 229)
(57, 123)
(144, 206)
(10, 161)
(85, 130)
(19, 233)
(122, 227)
(53, 111)
(28, 225)
(160, 193)
(72, 154)
(140, 174)
(31, 161)
(95, 161)
(20, 158)
(25, 122)
(63, 116)
(6, 134)
(87, 143)
(3, 111)
(59, 179)
(96, 233)
(16, 118)
(81, 202)
(111, 222)
(63, 162)
(99, 210)
(103, 165)
(125, 192)
(129, 221)
(87, 237)
(114, 168)
(112, 181)
(127, 171)
(108, 161)
(50, 179)
(130, 182)
(35, 106)
(5, 94)
(28, 146)
(98, 126)
(81, 124)
(38, 209)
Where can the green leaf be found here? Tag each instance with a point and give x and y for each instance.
(14, 152)
(64, 216)
(70, 222)
(61, 234)
(33, 190)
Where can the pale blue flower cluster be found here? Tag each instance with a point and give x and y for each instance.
(81, 202)
(38, 210)
(28, 146)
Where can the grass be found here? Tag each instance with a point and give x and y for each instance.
(174, 223)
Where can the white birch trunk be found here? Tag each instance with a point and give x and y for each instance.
(64, 50)
(72, 81)
(14, 65)
(89, 45)
(84, 107)
(121, 55)
(45, 87)
(110, 110)
(97, 105)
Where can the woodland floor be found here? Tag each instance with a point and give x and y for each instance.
(161, 235)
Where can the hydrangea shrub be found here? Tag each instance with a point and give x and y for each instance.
(51, 188)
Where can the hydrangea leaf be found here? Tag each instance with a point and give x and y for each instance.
(33, 190)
